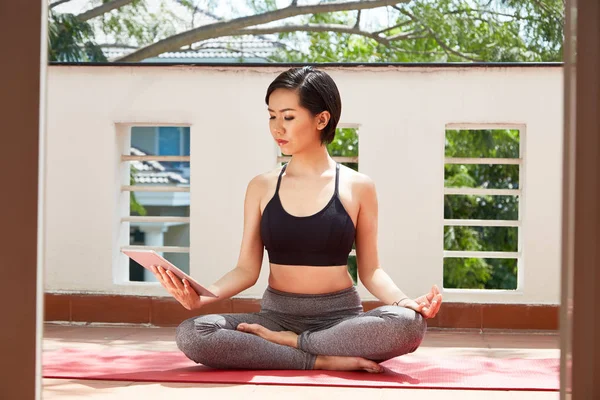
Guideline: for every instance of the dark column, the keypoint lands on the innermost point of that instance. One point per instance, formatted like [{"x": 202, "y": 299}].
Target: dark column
[
  {"x": 20, "y": 28},
  {"x": 581, "y": 234}
]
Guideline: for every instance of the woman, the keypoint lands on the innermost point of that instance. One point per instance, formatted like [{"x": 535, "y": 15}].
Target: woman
[{"x": 311, "y": 315}]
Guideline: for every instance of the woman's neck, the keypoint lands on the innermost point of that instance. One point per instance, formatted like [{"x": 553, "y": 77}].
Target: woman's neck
[{"x": 311, "y": 162}]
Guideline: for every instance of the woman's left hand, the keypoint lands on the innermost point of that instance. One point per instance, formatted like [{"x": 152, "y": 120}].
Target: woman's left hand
[{"x": 427, "y": 305}]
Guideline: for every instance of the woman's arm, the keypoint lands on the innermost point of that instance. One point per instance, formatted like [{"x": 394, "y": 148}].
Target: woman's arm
[{"x": 244, "y": 275}]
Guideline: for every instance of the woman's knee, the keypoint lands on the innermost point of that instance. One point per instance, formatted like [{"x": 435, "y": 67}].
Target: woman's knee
[
  {"x": 417, "y": 328},
  {"x": 192, "y": 335},
  {"x": 408, "y": 324}
]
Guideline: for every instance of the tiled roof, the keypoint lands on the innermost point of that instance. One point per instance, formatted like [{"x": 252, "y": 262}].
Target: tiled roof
[
  {"x": 154, "y": 172},
  {"x": 212, "y": 49}
]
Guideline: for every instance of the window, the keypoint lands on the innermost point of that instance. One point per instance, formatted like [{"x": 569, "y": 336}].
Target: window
[
  {"x": 482, "y": 198},
  {"x": 159, "y": 201}
]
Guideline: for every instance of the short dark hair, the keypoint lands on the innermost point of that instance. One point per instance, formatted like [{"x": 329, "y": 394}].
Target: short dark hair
[{"x": 317, "y": 92}]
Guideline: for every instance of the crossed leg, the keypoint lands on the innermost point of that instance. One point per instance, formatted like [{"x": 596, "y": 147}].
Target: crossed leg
[
  {"x": 215, "y": 341},
  {"x": 380, "y": 334}
]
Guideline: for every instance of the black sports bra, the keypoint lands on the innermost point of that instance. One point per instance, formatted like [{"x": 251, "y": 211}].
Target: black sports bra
[{"x": 321, "y": 239}]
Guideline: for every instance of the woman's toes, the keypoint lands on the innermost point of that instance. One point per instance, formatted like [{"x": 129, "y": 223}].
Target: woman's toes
[
  {"x": 251, "y": 328},
  {"x": 286, "y": 338},
  {"x": 371, "y": 366}
]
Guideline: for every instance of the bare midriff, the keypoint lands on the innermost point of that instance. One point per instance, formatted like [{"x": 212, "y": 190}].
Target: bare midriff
[{"x": 309, "y": 279}]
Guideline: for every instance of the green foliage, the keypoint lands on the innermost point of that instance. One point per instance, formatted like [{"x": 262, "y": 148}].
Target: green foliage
[
  {"x": 134, "y": 206},
  {"x": 471, "y": 273},
  {"x": 425, "y": 31},
  {"x": 71, "y": 40},
  {"x": 134, "y": 24},
  {"x": 443, "y": 31},
  {"x": 345, "y": 144}
]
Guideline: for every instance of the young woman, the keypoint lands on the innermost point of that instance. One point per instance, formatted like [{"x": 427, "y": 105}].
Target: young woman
[{"x": 307, "y": 214}]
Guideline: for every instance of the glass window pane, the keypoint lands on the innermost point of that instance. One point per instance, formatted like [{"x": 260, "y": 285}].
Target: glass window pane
[
  {"x": 163, "y": 233},
  {"x": 143, "y": 138},
  {"x": 159, "y": 173},
  {"x": 479, "y": 238},
  {"x": 353, "y": 268},
  {"x": 186, "y": 141},
  {"x": 481, "y": 207},
  {"x": 345, "y": 144},
  {"x": 481, "y": 176},
  {"x": 164, "y": 211},
  {"x": 480, "y": 273},
  {"x": 484, "y": 143},
  {"x": 169, "y": 141}
]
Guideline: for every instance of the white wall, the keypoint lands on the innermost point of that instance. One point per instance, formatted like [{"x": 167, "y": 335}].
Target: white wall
[{"x": 402, "y": 113}]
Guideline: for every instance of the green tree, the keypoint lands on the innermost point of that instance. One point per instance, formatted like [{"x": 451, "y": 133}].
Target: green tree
[
  {"x": 440, "y": 31},
  {"x": 71, "y": 40},
  {"x": 415, "y": 31}
]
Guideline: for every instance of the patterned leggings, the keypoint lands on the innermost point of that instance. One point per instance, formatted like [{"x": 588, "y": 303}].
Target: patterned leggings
[{"x": 327, "y": 324}]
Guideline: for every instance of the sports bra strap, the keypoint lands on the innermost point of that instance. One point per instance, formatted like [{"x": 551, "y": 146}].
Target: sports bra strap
[
  {"x": 337, "y": 178},
  {"x": 279, "y": 179}
]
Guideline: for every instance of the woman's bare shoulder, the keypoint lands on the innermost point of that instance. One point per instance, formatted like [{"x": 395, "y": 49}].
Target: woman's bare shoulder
[
  {"x": 263, "y": 181},
  {"x": 358, "y": 180}
]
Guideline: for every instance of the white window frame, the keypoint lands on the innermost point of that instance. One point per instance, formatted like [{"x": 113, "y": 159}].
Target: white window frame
[{"x": 520, "y": 192}]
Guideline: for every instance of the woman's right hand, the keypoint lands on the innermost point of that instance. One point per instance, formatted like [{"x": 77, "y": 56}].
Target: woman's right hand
[{"x": 180, "y": 289}]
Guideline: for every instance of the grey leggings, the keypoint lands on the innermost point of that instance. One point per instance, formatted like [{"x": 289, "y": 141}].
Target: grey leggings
[{"x": 327, "y": 324}]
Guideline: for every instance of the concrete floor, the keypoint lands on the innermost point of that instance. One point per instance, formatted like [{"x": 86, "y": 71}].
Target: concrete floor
[{"x": 437, "y": 342}]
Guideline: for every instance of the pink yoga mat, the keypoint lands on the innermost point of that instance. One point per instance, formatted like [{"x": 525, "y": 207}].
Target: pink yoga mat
[{"x": 448, "y": 372}]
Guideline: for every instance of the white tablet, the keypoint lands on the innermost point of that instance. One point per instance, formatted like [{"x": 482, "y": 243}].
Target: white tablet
[{"x": 148, "y": 258}]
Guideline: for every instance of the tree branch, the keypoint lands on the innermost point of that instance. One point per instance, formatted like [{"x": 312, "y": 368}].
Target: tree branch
[
  {"x": 550, "y": 11},
  {"x": 103, "y": 9},
  {"x": 314, "y": 28},
  {"x": 407, "y": 35},
  {"x": 357, "y": 24},
  {"x": 393, "y": 27},
  {"x": 57, "y": 3},
  {"x": 116, "y": 46},
  {"x": 442, "y": 44},
  {"x": 483, "y": 11},
  {"x": 226, "y": 28}
]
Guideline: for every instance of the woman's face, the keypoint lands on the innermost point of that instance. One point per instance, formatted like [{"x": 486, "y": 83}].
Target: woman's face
[{"x": 293, "y": 127}]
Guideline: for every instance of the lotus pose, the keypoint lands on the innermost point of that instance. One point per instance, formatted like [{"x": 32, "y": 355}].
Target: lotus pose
[{"x": 307, "y": 214}]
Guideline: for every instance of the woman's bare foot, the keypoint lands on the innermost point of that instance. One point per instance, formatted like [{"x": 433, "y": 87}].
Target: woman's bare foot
[
  {"x": 333, "y": 363},
  {"x": 285, "y": 338},
  {"x": 338, "y": 363}
]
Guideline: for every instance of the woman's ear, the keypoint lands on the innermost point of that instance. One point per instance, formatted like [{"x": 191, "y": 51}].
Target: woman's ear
[{"x": 323, "y": 120}]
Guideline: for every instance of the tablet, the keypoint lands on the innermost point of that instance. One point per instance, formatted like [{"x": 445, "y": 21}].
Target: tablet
[{"x": 148, "y": 258}]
